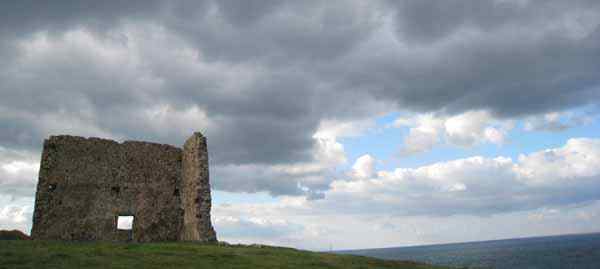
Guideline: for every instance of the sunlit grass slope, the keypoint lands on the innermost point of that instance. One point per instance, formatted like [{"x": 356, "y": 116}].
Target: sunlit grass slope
[{"x": 45, "y": 254}]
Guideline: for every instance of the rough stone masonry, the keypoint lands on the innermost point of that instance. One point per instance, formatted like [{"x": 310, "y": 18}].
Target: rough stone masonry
[{"x": 85, "y": 184}]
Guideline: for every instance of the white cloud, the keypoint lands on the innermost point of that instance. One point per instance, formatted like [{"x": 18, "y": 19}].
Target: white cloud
[
  {"x": 15, "y": 213},
  {"x": 543, "y": 214},
  {"x": 309, "y": 178},
  {"x": 546, "y": 192},
  {"x": 329, "y": 150},
  {"x": 577, "y": 161},
  {"x": 320, "y": 230},
  {"x": 557, "y": 121},
  {"x": 255, "y": 228},
  {"x": 471, "y": 128},
  {"x": 364, "y": 167},
  {"x": 18, "y": 173},
  {"x": 424, "y": 135},
  {"x": 18, "y": 178},
  {"x": 478, "y": 126},
  {"x": 465, "y": 130},
  {"x": 166, "y": 120},
  {"x": 266, "y": 223},
  {"x": 477, "y": 185},
  {"x": 402, "y": 122},
  {"x": 494, "y": 135}
]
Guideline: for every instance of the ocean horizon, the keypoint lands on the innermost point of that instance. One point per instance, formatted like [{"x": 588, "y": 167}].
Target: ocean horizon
[{"x": 556, "y": 251}]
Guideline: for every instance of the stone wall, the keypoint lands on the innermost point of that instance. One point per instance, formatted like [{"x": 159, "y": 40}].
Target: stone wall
[
  {"x": 86, "y": 183},
  {"x": 196, "y": 191}
]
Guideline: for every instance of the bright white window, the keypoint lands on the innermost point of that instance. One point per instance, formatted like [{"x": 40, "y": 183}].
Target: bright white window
[{"x": 125, "y": 222}]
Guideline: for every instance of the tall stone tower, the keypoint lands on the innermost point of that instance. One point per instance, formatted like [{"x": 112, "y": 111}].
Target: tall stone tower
[
  {"x": 87, "y": 184},
  {"x": 196, "y": 191}
]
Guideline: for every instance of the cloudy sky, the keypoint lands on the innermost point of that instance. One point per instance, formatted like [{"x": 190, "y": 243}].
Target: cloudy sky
[{"x": 342, "y": 124}]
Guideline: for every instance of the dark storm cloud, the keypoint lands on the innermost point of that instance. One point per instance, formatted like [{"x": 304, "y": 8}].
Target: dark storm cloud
[
  {"x": 534, "y": 77},
  {"x": 430, "y": 21},
  {"x": 24, "y": 17},
  {"x": 270, "y": 120},
  {"x": 285, "y": 33},
  {"x": 511, "y": 57},
  {"x": 257, "y": 77}
]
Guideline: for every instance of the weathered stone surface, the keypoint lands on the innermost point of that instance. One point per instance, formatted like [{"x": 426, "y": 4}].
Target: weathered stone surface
[
  {"x": 196, "y": 191},
  {"x": 86, "y": 183}
]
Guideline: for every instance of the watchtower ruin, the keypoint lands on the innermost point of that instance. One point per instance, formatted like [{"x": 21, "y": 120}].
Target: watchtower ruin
[{"x": 86, "y": 184}]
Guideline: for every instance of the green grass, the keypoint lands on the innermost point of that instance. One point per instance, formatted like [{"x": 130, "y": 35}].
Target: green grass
[{"x": 54, "y": 254}]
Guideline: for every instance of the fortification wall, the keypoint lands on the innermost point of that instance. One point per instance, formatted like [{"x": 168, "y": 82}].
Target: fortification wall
[
  {"x": 196, "y": 192},
  {"x": 86, "y": 183}
]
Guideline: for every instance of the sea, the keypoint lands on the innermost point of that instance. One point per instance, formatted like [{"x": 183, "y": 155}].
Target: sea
[{"x": 580, "y": 251}]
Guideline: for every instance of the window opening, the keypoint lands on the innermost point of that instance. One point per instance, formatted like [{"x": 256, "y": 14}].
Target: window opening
[{"x": 125, "y": 222}]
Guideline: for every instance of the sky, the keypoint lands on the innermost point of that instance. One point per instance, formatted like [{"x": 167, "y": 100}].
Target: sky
[{"x": 330, "y": 124}]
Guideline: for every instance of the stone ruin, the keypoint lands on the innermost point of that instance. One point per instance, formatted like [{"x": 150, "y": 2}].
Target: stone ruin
[{"x": 86, "y": 184}]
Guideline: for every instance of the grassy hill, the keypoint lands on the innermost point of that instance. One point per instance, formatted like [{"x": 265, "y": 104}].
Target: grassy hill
[
  {"x": 47, "y": 254},
  {"x": 13, "y": 235}
]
